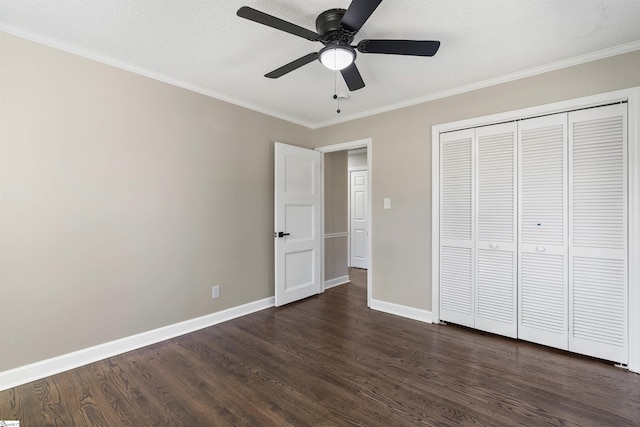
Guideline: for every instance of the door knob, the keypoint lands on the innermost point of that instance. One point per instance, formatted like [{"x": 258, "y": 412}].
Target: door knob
[{"x": 281, "y": 234}]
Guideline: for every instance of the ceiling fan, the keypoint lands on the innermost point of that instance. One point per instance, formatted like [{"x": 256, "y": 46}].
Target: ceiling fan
[{"x": 336, "y": 29}]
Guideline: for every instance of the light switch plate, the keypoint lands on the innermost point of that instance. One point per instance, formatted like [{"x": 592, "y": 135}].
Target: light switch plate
[{"x": 387, "y": 203}]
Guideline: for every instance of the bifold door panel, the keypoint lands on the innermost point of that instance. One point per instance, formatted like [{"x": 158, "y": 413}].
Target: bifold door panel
[{"x": 543, "y": 209}]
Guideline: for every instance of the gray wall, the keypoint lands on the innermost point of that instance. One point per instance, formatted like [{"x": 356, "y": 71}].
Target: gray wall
[
  {"x": 336, "y": 220},
  {"x": 124, "y": 200},
  {"x": 401, "y": 169}
]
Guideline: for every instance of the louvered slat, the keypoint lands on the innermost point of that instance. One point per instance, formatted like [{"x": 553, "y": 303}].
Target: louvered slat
[
  {"x": 455, "y": 280},
  {"x": 456, "y": 189},
  {"x": 543, "y": 302},
  {"x": 598, "y": 183},
  {"x": 496, "y": 286},
  {"x": 542, "y": 184},
  {"x": 496, "y": 203},
  {"x": 598, "y": 300}
]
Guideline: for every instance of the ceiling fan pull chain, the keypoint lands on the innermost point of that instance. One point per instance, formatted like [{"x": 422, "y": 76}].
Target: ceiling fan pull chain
[{"x": 335, "y": 90}]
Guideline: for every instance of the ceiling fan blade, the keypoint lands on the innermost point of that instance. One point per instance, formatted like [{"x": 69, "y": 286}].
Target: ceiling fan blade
[
  {"x": 358, "y": 13},
  {"x": 400, "y": 47},
  {"x": 352, "y": 77},
  {"x": 277, "y": 23},
  {"x": 293, "y": 65}
]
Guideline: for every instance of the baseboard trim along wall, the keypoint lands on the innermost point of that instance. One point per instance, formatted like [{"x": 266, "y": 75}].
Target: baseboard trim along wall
[
  {"x": 27, "y": 373},
  {"x": 336, "y": 282},
  {"x": 402, "y": 310}
]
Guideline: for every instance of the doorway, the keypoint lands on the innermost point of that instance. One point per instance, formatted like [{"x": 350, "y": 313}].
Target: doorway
[{"x": 331, "y": 238}]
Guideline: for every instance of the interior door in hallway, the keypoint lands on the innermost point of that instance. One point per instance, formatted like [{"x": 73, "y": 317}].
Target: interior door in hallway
[
  {"x": 297, "y": 223},
  {"x": 358, "y": 218}
]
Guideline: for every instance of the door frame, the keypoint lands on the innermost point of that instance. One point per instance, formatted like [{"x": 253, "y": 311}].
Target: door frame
[
  {"x": 632, "y": 96},
  {"x": 351, "y": 145},
  {"x": 349, "y": 170}
]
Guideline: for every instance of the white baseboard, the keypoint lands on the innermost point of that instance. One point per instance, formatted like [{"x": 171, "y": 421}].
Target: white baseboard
[
  {"x": 27, "y": 373},
  {"x": 336, "y": 282},
  {"x": 402, "y": 310}
]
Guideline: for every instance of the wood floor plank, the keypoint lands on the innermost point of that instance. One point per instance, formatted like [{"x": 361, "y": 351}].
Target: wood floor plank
[{"x": 330, "y": 361}]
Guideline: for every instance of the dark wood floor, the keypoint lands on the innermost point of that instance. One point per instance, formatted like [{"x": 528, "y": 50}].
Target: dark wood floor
[{"x": 329, "y": 361}]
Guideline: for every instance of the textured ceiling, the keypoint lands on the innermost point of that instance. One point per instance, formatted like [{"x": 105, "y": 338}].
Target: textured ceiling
[{"x": 202, "y": 45}]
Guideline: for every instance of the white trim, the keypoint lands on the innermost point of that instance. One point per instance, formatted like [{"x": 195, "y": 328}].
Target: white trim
[
  {"x": 27, "y": 373},
  {"x": 632, "y": 95},
  {"x": 322, "y": 246},
  {"x": 357, "y": 151},
  {"x": 336, "y": 282},
  {"x": 402, "y": 310},
  {"x": 334, "y": 235},
  {"x": 361, "y": 143},
  {"x": 346, "y": 146},
  {"x": 123, "y": 65},
  {"x": 356, "y": 169},
  {"x": 435, "y": 223},
  {"x": 633, "y": 111},
  {"x": 566, "y": 63}
]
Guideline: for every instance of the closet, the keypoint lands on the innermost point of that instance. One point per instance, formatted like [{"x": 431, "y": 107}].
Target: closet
[{"x": 533, "y": 230}]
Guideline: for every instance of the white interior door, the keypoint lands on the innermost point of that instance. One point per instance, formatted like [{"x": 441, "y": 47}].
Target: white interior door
[
  {"x": 359, "y": 218},
  {"x": 297, "y": 223}
]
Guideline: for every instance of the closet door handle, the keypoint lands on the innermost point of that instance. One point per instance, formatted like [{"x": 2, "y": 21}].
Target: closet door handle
[
  {"x": 541, "y": 249},
  {"x": 493, "y": 245}
]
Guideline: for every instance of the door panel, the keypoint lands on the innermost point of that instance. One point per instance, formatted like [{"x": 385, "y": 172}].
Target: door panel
[
  {"x": 598, "y": 280},
  {"x": 496, "y": 274},
  {"x": 297, "y": 212},
  {"x": 359, "y": 218},
  {"x": 543, "y": 261},
  {"x": 457, "y": 298}
]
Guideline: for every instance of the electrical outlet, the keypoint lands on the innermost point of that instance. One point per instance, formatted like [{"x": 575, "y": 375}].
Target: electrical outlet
[{"x": 215, "y": 292}]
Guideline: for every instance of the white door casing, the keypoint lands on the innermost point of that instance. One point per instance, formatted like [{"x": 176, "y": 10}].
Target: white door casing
[
  {"x": 358, "y": 218},
  {"x": 297, "y": 204}
]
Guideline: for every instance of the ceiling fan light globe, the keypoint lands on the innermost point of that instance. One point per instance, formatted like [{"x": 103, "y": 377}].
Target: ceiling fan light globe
[{"x": 337, "y": 57}]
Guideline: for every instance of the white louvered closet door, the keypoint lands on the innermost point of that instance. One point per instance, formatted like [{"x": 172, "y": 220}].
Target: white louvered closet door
[
  {"x": 456, "y": 227},
  {"x": 495, "y": 245},
  {"x": 542, "y": 231},
  {"x": 598, "y": 289}
]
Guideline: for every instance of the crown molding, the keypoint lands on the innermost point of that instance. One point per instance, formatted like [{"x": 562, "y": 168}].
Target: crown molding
[
  {"x": 565, "y": 63},
  {"x": 117, "y": 63},
  {"x": 89, "y": 54}
]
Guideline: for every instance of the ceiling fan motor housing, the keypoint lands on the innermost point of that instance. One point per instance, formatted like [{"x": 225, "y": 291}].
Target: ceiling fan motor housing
[{"x": 330, "y": 30}]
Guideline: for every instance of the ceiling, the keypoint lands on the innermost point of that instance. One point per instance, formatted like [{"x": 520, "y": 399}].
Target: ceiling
[{"x": 203, "y": 46}]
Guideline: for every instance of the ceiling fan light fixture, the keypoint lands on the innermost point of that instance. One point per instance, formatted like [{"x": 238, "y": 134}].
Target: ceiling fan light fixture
[{"x": 337, "y": 57}]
